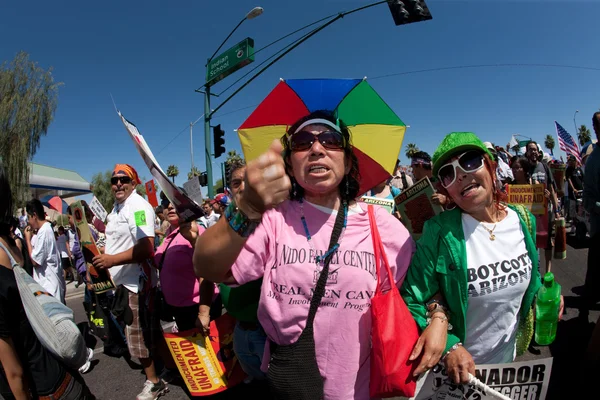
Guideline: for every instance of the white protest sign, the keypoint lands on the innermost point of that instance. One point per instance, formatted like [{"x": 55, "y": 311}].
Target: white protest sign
[
  {"x": 523, "y": 380},
  {"x": 98, "y": 209},
  {"x": 187, "y": 208},
  {"x": 193, "y": 189}
]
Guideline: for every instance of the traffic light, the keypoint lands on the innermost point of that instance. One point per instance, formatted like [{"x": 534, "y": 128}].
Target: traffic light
[
  {"x": 219, "y": 140},
  {"x": 226, "y": 177},
  {"x": 203, "y": 179},
  {"x": 409, "y": 11}
]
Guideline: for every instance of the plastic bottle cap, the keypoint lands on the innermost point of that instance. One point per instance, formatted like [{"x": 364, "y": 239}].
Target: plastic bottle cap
[{"x": 548, "y": 279}]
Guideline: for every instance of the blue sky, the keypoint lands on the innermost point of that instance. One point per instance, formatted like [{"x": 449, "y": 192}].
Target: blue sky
[{"x": 150, "y": 56}]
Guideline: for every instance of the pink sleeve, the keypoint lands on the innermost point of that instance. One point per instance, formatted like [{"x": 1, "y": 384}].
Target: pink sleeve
[
  {"x": 256, "y": 253},
  {"x": 397, "y": 242}
]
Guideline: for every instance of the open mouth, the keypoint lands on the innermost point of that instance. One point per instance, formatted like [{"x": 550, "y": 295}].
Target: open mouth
[
  {"x": 468, "y": 190},
  {"x": 317, "y": 169}
]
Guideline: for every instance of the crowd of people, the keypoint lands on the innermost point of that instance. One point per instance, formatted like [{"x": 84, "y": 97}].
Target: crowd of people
[{"x": 288, "y": 252}]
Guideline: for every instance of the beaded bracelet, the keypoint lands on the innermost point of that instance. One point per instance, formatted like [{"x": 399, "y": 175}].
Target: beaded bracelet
[
  {"x": 239, "y": 221},
  {"x": 443, "y": 318},
  {"x": 451, "y": 349}
]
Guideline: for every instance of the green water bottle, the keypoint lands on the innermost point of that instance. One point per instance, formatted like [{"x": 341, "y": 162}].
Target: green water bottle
[{"x": 546, "y": 310}]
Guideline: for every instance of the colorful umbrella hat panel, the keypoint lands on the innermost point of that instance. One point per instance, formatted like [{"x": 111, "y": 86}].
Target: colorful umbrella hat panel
[{"x": 376, "y": 131}]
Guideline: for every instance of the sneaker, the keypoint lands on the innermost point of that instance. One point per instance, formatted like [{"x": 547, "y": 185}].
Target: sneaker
[
  {"x": 168, "y": 375},
  {"x": 153, "y": 391},
  {"x": 88, "y": 363}
]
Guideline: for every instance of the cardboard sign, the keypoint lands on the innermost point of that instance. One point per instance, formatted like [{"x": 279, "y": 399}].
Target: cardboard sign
[
  {"x": 519, "y": 380},
  {"x": 530, "y": 196},
  {"x": 415, "y": 206},
  {"x": 388, "y": 204},
  {"x": 101, "y": 279},
  {"x": 193, "y": 189},
  {"x": 207, "y": 364},
  {"x": 98, "y": 209},
  {"x": 187, "y": 208},
  {"x": 151, "y": 193}
]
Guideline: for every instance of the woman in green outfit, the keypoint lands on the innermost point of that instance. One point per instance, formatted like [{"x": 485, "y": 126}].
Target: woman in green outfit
[{"x": 474, "y": 276}]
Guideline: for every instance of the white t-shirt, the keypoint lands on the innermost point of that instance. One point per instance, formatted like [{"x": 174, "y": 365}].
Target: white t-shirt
[
  {"x": 498, "y": 274},
  {"x": 210, "y": 220},
  {"x": 49, "y": 273},
  {"x": 61, "y": 242},
  {"x": 127, "y": 223}
]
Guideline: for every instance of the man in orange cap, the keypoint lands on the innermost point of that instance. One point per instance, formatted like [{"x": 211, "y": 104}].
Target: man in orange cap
[{"x": 129, "y": 244}]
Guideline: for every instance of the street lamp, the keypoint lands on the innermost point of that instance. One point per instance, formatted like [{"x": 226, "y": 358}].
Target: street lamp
[
  {"x": 255, "y": 12},
  {"x": 574, "y": 123}
]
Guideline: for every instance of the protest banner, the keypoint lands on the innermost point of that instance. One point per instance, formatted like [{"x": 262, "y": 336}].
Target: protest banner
[
  {"x": 388, "y": 204},
  {"x": 523, "y": 380},
  {"x": 187, "y": 208},
  {"x": 101, "y": 279},
  {"x": 151, "y": 193},
  {"x": 532, "y": 197},
  {"x": 193, "y": 189},
  {"x": 415, "y": 206},
  {"x": 98, "y": 209},
  {"x": 207, "y": 364}
]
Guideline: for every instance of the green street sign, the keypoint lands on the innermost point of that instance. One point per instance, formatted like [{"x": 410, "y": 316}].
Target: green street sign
[{"x": 230, "y": 61}]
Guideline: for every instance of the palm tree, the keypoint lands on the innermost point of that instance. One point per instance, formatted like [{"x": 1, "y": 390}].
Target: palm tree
[
  {"x": 411, "y": 149},
  {"x": 172, "y": 172},
  {"x": 549, "y": 143},
  {"x": 232, "y": 155},
  {"x": 584, "y": 135},
  {"x": 194, "y": 172}
]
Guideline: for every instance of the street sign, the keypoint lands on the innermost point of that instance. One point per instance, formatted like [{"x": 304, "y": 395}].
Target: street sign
[{"x": 230, "y": 61}]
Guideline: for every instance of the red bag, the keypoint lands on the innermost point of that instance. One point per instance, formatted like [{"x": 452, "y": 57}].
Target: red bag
[{"x": 394, "y": 333}]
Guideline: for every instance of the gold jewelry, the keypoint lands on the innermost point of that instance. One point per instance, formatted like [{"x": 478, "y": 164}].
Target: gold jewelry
[{"x": 490, "y": 231}]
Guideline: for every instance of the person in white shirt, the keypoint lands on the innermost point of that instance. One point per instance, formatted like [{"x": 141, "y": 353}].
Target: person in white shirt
[
  {"x": 44, "y": 253},
  {"x": 210, "y": 218},
  {"x": 129, "y": 246}
]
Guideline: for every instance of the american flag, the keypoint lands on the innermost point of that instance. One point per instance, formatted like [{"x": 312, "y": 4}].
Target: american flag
[{"x": 566, "y": 142}]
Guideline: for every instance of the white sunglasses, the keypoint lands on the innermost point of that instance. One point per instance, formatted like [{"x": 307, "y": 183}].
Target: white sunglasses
[{"x": 470, "y": 161}]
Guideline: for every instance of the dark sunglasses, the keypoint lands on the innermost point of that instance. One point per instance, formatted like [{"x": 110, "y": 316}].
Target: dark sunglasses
[
  {"x": 124, "y": 180},
  {"x": 469, "y": 161},
  {"x": 303, "y": 140}
]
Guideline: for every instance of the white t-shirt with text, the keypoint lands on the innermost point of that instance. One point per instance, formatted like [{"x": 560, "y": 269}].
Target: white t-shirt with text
[
  {"x": 498, "y": 274},
  {"x": 127, "y": 223},
  {"x": 49, "y": 273}
]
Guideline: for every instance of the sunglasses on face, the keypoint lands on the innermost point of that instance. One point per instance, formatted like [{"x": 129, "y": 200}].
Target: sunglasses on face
[
  {"x": 124, "y": 180},
  {"x": 470, "y": 161},
  {"x": 303, "y": 140}
]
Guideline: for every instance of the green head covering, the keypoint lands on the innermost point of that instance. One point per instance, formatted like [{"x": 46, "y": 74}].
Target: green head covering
[{"x": 456, "y": 143}]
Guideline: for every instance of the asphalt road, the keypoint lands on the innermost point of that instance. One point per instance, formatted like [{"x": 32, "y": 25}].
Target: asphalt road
[{"x": 572, "y": 377}]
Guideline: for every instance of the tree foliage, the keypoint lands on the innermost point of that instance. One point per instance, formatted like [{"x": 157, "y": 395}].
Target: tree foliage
[
  {"x": 232, "y": 156},
  {"x": 193, "y": 172},
  {"x": 172, "y": 172},
  {"x": 549, "y": 143},
  {"x": 102, "y": 189},
  {"x": 584, "y": 135},
  {"x": 28, "y": 100},
  {"x": 411, "y": 149}
]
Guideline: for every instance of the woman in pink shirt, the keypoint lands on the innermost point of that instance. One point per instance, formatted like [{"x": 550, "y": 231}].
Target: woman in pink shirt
[
  {"x": 180, "y": 287},
  {"x": 295, "y": 218}
]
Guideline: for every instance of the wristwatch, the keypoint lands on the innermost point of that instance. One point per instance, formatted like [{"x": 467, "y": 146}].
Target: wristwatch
[{"x": 239, "y": 221}]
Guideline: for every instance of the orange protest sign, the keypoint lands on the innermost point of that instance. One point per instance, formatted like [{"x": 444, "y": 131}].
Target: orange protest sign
[
  {"x": 207, "y": 364},
  {"x": 151, "y": 193}
]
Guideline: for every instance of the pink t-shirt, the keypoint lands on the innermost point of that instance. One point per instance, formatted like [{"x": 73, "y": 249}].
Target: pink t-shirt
[
  {"x": 177, "y": 278},
  {"x": 279, "y": 252}
]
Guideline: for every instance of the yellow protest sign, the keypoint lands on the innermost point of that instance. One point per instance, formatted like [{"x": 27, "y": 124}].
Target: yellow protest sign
[
  {"x": 207, "y": 364},
  {"x": 530, "y": 196}
]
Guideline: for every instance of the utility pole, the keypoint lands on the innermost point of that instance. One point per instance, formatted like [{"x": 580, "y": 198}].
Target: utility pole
[
  {"x": 209, "y": 176},
  {"x": 191, "y": 146}
]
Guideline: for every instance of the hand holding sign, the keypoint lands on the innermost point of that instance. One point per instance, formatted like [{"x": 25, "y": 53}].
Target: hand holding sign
[{"x": 459, "y": 364}]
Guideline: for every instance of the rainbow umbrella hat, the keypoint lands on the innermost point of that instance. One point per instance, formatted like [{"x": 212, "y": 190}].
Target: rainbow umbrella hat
[{"x": 376, "y": 131}]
